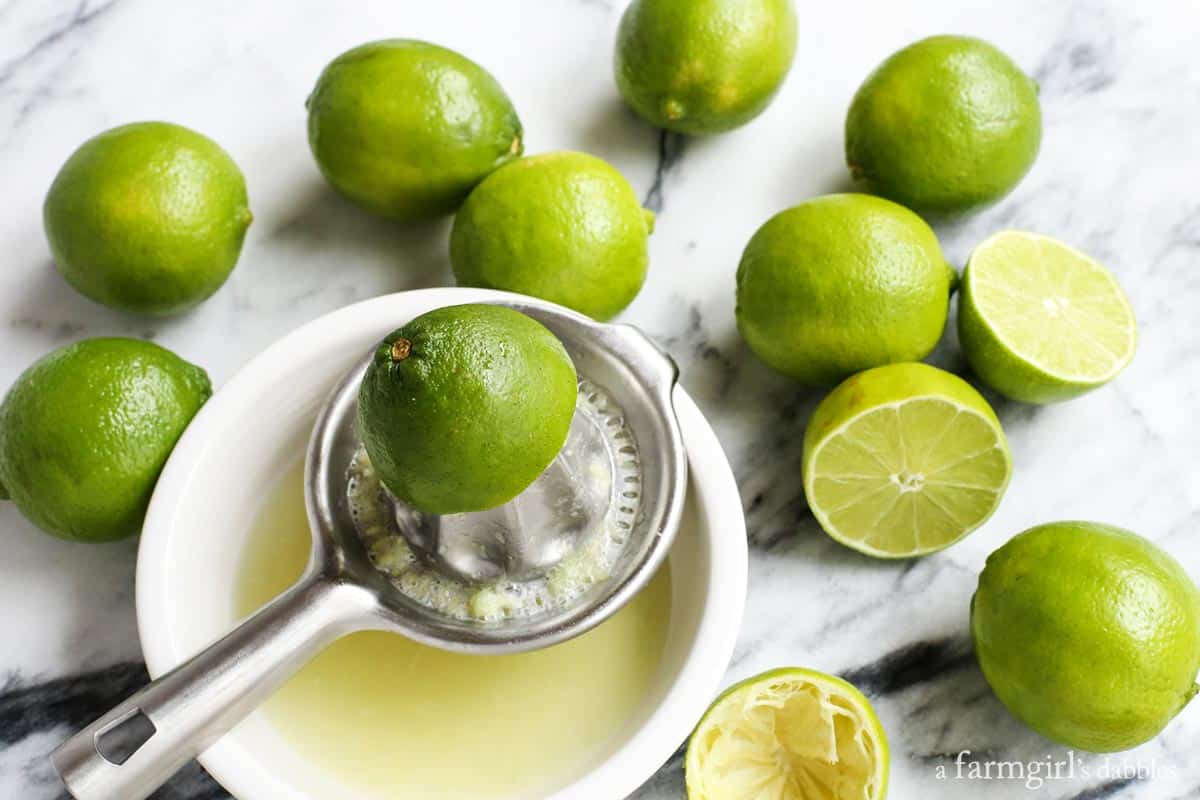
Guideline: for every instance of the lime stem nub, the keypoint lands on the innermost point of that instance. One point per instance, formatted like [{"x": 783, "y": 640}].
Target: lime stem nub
[
  {"x": 673, "y": 110},
  {"x": 401, "y": 348}
]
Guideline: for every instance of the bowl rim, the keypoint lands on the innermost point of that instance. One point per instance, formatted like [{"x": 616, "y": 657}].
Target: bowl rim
[{"x": 645, "y": 749}]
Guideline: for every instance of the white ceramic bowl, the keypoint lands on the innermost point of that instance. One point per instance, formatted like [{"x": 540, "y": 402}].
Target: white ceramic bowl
[{"x": 216, "y": 480}]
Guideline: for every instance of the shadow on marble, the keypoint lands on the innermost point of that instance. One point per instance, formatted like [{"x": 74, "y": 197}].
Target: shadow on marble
[
  {"x": 379, "y": 254},
  {"x": 842, "y": 184},
  {"x": 55, "y": 307},
  {"x": 613, "y": 132}
]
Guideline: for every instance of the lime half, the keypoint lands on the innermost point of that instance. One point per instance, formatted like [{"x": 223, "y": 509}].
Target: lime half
[
  {"x": 789, "y": 734},
  {"x": 904, "y": 460},
  {"x": 1040, "y": 321}
]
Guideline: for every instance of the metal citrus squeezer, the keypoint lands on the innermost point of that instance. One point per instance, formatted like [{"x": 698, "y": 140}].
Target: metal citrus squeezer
[{"x": 625, "y": 420}]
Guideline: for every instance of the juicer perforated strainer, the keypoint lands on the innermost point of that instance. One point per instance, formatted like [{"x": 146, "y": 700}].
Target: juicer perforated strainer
[{"x": 135, "y": 747}]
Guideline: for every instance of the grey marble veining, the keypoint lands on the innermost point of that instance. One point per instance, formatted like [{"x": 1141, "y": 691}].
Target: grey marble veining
[{"x": 1117, "y": 175}]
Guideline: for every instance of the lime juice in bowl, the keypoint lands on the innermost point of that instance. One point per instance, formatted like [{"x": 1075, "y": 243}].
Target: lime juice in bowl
[{"x": 400, "y": 719}]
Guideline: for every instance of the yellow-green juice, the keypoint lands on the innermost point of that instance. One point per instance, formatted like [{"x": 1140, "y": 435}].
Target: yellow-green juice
[{"x": 396, "y": 719}]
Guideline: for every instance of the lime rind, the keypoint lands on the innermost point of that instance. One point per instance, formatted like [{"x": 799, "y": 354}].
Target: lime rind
[
  {"x": 1088, "y": 633},
  {"x": 912, "y": 477},
  {"x": 1052, "y": 307},
  {"x": 789, "y": 734}
]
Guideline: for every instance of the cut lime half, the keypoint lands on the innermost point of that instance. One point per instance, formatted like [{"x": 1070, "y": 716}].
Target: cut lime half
[
  {"x": 789, "y": 734},
  {"x": 1040, "y": 321},
  {"x": 904, "y": 460}
]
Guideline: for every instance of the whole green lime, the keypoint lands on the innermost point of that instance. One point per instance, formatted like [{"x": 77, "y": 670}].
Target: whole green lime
[
  {"x": 465, "y": 406},
  {"x": 1089, "y": 634},
  {"x": 147, "y": 218},
  {"x": 85, "y": 431},
  {"x": 406, "y": 128},
  {"x": 945, "y": 125},
  {"x": 703, "y": 66},
  {"x": 839, "y": 284},
  {"x": 565, "y": 227}
]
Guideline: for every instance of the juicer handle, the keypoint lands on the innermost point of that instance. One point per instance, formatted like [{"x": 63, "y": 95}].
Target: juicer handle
[{"x": 137, "y": 746}]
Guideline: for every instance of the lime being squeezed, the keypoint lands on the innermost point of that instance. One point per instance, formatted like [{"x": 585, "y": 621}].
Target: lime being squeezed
[{"x": 484, "y": 486}]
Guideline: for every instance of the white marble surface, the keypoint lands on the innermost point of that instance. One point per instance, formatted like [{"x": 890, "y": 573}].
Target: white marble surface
[{"x": 1117, "y": 176}]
